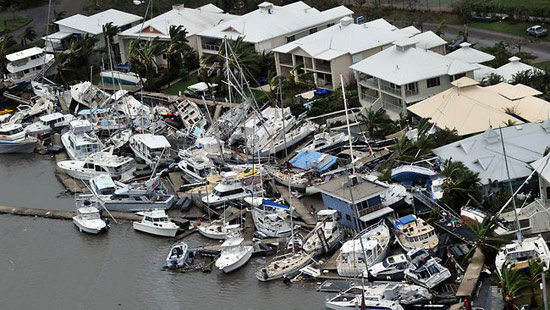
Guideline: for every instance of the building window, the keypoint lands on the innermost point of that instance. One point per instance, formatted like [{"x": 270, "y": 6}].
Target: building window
[
  {"x": 458, "y": 76},
  {"x": 330, "y": 24},
  {"x": 290, "y": 38},
  {"x": 348, "y": 217},
  {"x": 313, "y": 30},
  {"x": 412, "y": 87},
  {"x": 433, "y": 82}
]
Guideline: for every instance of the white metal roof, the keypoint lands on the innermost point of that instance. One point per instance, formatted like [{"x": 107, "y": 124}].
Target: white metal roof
[
  {"x": 56, "y": 36},
  {"x": 51, "y": 117},
  {"x": 94, "y": 24},
  {"x": 510, "y": 69},
  {"x": 428, "y": 40},
  {"x": 193, "y": 20},
  {"x": 470, "y": 55},
  {"x": 271, "y": 21},
  {"x": 482, "y": 72},
  {"x": 152, "y": 141},
  {"x": 24, "y": 53},
  {"x": 483, "y": 154},
  {"x": 344, "y": 38},
  {"x": 406, "y": 64}
]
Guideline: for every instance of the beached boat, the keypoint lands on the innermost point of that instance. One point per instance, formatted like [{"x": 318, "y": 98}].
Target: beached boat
[
  {"x": 80, "y": 141},
  {"x": 120, "y": 138},
  {"x": 424, "y": 269},
  {"x": 195, "y": 165},
  {"x": 328, "y": 141},
  {"x": 271, "y": 222},
  {"x": 326, "y": 235},
  {"x": 129, "y": 106},
  {"x": 371, "y": 245},
  {"x": 412, "y": 232},
  {"x": 299, "y": 181},
  {"x": 218, "y": 230},
  {"x": 194, "y": 122},
  {"x": 36, "y": 108},
  {"x": 518, "y": 255},
  {"x": 25, "y": 65},
  {"x": 88, "y": 220},
  {"x": 230, "y": 190},
  {"x": 119, "y": 77},
  {"x": 234, "y": 254},
  {"x": 14, "y": 139},
  {"x": 156, "y": 222},
  {"x": 46, "y": 124},
  {"x": 290, "y": 139},
  {"x": 286, "y": 266},
  {"x": 177, "y": 257},
  {"x": 118, "y": 167},
  {"x": 392, "y": 268},
  {"x": 150, "y": 148},
  {"x": 89, "y": 95}
]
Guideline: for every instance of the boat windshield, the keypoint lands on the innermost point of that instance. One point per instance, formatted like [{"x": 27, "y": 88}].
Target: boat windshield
[{"x": 91, "y": 216}]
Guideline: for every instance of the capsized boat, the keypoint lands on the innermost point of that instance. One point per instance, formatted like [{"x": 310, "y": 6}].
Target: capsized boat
[
  {"x": 234, "y": 254},
  {"x": 374, "y": 241},
  {"x": 518, "y": 255},
  {"x": 177, "y": 257},
  {"x": 14, "y": 139},
  {"x": 156, "y": 222},
  {"x": 290, "y": 139},
  {"x": 120, "y": 77},
  {"x": 326, "y": 235},
  {"x": 271, "y": 219},
  {"x": 88, "y": 220},
  {"x": 424, "y": 269},
  {"x": 283, "y": 266}
]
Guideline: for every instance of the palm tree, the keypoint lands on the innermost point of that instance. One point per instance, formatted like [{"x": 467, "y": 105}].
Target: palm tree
[
  {"x": 459, "y": 183},
  {"x": 143, "y": 54},
  {"x": 176, "y": 46},
  {"x": 513, "y": 283},
  {"x": 486, "y": 240},
  {"x": 374, "y": 121},
  {"x": 59, "y": 15},
  {"x": 6, "y": 43},
  {"x": 241, "y": 54},
  {"x": 403, "y": 149},
  {"x": 109, "y": 32},
  {"x": 28, "y": 35},
  {"x": 492, "y": 79},
  {"x": 64, "y": 66}
]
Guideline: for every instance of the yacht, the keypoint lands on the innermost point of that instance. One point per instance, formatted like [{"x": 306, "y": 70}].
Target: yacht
[
  {"x": 120, "y": 138},
  {"x": 372, "y": 244},
  {"x": 177, "y": 257},
  {"x": 51, "y": 92},
  {"x": 228, "y": 122},
  {"x": 290, "y": 139},
  {"x": 121, "y": 168},
  {"x": 298, "y": 181},
  {"x": 424, "y": 269},
  {"x": 218, "y": 230},
  {"x": 80, "y": 141},
  {"x": 150, "y": 148},
  {"x": 37, "y": 107},
  {"x": 412, "y": 232},
  {"x": 391, "y": 268},
  {"x": 128, "y": 105},
  {"x": 14, "y": 139},
  {"x": 232, "y": 190},
  {"x": 116, "y": 196},
  {"x": 325, "y": 142},
  {"x": 195, "y": 165},
  {"x": 25, "y": 65},
  {"x": 119, "y": 77},
  {"x": 326, "y": 235},
  {"x": 192, "y": 118},
  {"x": 88, "y": 220},
  {"x": 46, "y": 124},
  {"x": 286, "y": 266},
  {"x": 104, "y": 119},
  {"x": 518, "y": 255},
  {"x": 271, "y": 222},
  {"x": 89, "y": 95},
  {"x": 380, "y": 295},
  {"x": 156, "y": 222},
  {"x": 234, "y": 254}
]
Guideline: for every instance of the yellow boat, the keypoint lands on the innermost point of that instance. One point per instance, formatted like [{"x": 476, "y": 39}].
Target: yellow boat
[{"x": 6, "y": 111}]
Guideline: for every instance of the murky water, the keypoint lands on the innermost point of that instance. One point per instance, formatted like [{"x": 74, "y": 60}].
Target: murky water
[{"x": 48, "y": 264}]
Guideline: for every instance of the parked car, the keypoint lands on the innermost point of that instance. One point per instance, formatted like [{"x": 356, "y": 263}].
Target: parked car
[{"x": 537, "y": 31}]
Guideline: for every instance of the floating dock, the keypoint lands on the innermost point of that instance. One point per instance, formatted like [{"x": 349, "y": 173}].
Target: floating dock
[{"x": 62, "y": 215}]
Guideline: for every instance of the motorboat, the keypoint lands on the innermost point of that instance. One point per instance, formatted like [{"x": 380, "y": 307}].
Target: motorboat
[
  {"x": 150, "y": 148},
  {"x": 104, "y": 119},
  {"x": 230, "y": 190},
  {"x": 37, "y": 107},
  {"x": 89, "y": 95},
  {"x": 391, "y": 268},
  {"x": 271, "y": 222},
  {"x": 380, "y": 295},
  {"x": 177, "y": 257},
  {"x": 283, "y": 266},
  {"x": 25, "y": 65},
  {"x": 46, "y": 124},
  {"x": 290, "y": 139},
  {"x": 120, "y": 138},
  {"x": 424, "y": 269},
  {"x": 80, "y": 141},
  {"x": 395, "y": 195},
  {"x": 370, "y": 244},
  {"x": 517, "y": 255},
  {"x": 121, "y": 168},
  {"x": 14, "y": 139},
  {"x": 128, "y": 105},
  {"x": 234, "y": 254},
  {"x": 412, "y": 174},
  {"x": 218, "y": 230},
  {"x": 195, "y": 165},
  {"x": 88, "y": 220},
  {"x": 327, "y": 141},
  {"x": 436, "y": 187},
  {"x": 156, "y": 222},
  {"x": 120, "y": 77},
  {"x": 326, "y": 235},
  {"x": 51, "y": 92},
  {"x": 299, "y": 181},
  {"x": 116, "y": 196},
  {"x": 192, "y": 118},
  {"x": 412, "y": 232},
  {"x": 228, "y": 122}
]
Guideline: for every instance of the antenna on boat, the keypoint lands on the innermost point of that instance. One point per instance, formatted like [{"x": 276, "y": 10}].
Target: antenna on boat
[{"x": 518, "y": 231}]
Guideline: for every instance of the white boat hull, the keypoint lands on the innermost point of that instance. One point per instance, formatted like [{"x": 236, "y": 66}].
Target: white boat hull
[
  {"x": 239, "y": 263},
  {"x": 157, "y": 231},
  {"x": 86, "y": 228}
]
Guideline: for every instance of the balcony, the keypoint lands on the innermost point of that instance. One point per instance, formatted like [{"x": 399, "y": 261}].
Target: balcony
[
  {"x": 285, "y": 60},
  {"x": 393, "y": 107},
  {"x": 368, "y": 97},
  {"x": 370, "y": 82},
  {"x": 396, "y": 90},
  {"x": 322, "y": 67},
  {"x": 211, "y": 47}
]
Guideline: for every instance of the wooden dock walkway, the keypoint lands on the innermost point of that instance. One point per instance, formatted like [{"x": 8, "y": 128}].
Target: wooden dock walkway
[
  {"x": 302, "y": 210},
  {"x": 62, "y": 215}
]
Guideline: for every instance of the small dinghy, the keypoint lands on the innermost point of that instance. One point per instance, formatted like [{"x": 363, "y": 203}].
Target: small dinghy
[
  {"x": 234, "y": 254},
  {"x": 87, "y": 220},
  {"x": 156, "y": 222},
  {"x": 178, "y": 255}
]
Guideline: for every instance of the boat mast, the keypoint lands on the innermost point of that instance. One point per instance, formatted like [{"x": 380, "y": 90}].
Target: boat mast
[
  {"x": 347, "y": 122},
  {"x": 518, "y": 231}
]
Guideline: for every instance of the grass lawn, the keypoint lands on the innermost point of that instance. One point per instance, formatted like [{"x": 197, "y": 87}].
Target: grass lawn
[
  {"x": 525, "y": 3},
  {"x": 8, "y": 23},
  {"x": 542, "y": 65},
  {"x": 517, "y": 29},
  {"x": 181, "y": 85}
]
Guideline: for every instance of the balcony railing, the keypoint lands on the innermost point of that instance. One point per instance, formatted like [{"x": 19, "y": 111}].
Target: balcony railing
[
  {"x": 210, "y": 47},
  {"x": 372, "y": 82},
  {"x": 393, "y": 90},
  {"x": 371, "y": 209},
  {"x": 367, "y": 97},
  {"x": 393, "y": 107},
  {"x": 410, "y": 92},
  {"x": 324, "y": 68},
  {"x": 285, "y": 62}
]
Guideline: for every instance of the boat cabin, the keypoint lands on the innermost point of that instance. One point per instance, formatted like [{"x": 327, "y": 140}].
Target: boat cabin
[
  {"x": 415, "y": 230},
  {"x": 149, "y": 147},
  {"x": 103, "y": 185},
  {"x": 89, "y": 213},
  {"x": 9, "y": 130}
]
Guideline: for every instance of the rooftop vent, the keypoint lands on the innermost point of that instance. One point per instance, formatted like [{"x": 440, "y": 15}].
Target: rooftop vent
[
  {"x": 491, "y": 136},
  {"x": 346, "y": 21},
  {"x": 266, "y": 7}
]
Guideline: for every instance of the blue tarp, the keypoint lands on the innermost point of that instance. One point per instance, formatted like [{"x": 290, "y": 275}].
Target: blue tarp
[
  {"x": 317, "y": 161},
  {"x": 405, "y": 220},
  {"x": 124, "y": 67},
  {"x": 93, "y": 111},
  {"x": 274, "y": 204},
  {"x": 322, "y": 92}
]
